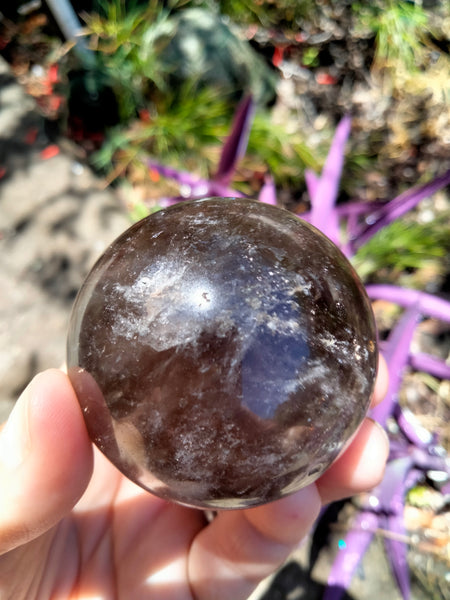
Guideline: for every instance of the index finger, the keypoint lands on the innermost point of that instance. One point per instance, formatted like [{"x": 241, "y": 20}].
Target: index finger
[{"x": 381, "y": 383}]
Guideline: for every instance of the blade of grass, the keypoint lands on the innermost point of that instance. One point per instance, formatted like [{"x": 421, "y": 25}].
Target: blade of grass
[
  {"x": 397, "y": 551},
  {"x": 354, "y": 547},
  {"x": 394, "y": 523},
  {"x": 312, "y": 182},
  {"x": 399, "y": 206},
  {"x": 268, "y": 192},
  {"x": 323, "y": 215},
  {"x": 427, "y": 304},
  {"x": 437, "y": 367},
  {"x": 396, "y": 353},
  {"x": 236, "y": 143},
  {"x": 411, "y": 428}
]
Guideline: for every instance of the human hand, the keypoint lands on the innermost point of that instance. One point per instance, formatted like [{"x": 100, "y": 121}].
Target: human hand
[{"x": 73, "y": 527}]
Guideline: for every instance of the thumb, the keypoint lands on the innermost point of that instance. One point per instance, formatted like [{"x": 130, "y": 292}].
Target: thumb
[{"x": 45, "y": 459}]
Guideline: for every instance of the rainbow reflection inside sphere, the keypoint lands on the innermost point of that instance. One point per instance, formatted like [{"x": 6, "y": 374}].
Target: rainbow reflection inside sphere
[{"x": 223, "y": 351}]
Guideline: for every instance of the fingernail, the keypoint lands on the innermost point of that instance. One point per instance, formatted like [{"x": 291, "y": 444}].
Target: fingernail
[
  {"x": 383, "y": 434},
  {"x": 15, "y": 441}
]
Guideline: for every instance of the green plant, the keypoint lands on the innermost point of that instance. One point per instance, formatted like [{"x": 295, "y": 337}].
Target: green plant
[
  {"x": 405, "y": 246},
  {"x": 175, "y": 120},
  {"x": 400, "y": 28},
  {"x": 268, "y": 12},
  {"x": 176, "y": 132},
  {"x": 127, "y": 44},
  {"x": 285, "y": 154}
]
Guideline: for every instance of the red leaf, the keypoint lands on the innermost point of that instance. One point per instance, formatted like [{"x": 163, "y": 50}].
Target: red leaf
[
  {"x": 154, "y": 175},
  {"x": 144, "y": 115},
  {"x": 50, "y": 152},
  {"x": 325, "y": 79},
  {"x": 53, "y": 75},
  {"x": 277, "y": 57},
  {"x": 54, "y": 103},
  {"x": 31, "y": 135}
]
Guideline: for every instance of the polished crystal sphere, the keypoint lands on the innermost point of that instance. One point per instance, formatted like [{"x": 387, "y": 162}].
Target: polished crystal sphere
[{"x": 223, "y": 351}]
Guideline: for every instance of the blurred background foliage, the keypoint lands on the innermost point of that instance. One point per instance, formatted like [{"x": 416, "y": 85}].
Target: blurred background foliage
[{"x": 162, "y": 81}]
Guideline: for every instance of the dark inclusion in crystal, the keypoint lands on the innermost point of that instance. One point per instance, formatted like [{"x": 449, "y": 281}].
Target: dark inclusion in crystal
[{"x": 223, "y": 351}]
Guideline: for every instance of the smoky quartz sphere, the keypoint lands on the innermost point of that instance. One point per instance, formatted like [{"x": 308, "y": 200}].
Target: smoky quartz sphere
[{"x": 223, "y": 351}]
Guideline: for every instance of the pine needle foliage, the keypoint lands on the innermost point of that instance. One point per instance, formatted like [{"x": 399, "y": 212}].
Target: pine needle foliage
[{"x": 405, "y": 246}]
